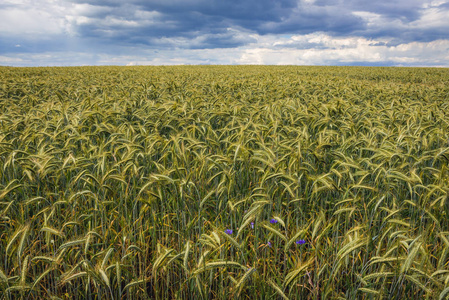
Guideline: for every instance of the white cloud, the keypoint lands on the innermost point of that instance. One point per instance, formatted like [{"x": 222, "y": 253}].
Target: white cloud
[
  {"x": 28, "y": 22},
  {"x": 432, "y": 18},
  {"x": 6, "y": 60},
  {"x": 89, "y": 10},
  {"x": 370, "y": 17},
  {"x": 329, "y": 51},
  {"x": 33, "y": 19},
  {"x": 434, "y": 3}
]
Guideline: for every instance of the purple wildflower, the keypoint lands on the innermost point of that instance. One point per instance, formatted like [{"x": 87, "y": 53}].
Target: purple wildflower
[
  {"x": 228, "y": 231},
  {"x": 252, "y": 225},
  {"x": 273, "y": 221},
  {"x": 300, "y": 242},
  {"x": 269, "y": 244}
]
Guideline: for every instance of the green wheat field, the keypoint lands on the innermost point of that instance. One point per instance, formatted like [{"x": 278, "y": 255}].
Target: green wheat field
[{"x": 224, "y": 182}]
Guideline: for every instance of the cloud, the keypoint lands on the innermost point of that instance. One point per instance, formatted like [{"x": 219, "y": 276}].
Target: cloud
[
  {"x": 327, "y": 50},
  {"x": 29, "y": 22},
  {"x": 255, "y": 31},
  {"x": 310, "y": 49},
  {"x": 429, "y": 25},
  {"x": 188, "y": 18}
]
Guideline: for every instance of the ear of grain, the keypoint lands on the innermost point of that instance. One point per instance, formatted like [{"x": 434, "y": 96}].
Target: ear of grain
[
  {"x": 293, "y": 275},
  {"x": 275, "y": 231},
  {"x": 241, "y": 283},
  {"x": 159, "y": 262},
  {"x": 186, "y": 257},
  {"x": 218, "y": 264},
  {"x": 278, "y": 290}
]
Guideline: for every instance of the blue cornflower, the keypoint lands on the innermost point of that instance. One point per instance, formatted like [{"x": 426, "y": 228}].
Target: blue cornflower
[
  {"x": 300, "y": 242},
  {"x": 273, "y": 221},
  {"x": 228, "y": 231}
]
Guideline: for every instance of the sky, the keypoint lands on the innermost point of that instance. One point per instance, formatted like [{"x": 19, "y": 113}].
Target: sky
[{"x": 231, "y": 32}]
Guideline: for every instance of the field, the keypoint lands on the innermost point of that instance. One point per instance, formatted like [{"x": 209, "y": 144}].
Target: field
[{"x": 222, "y": 182}]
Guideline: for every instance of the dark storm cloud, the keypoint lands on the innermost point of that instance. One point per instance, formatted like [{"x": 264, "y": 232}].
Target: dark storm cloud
[
  {"x": 148, "y": 26},
  {"x": 185, "y": 18},
  {"x": 261, "y": 10},
  {"x": 308, "y": 19},
  {"x": 408, "y": 9},
  {"x": 145, "y": 22},
  {"x": 195, "y": 18}
]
